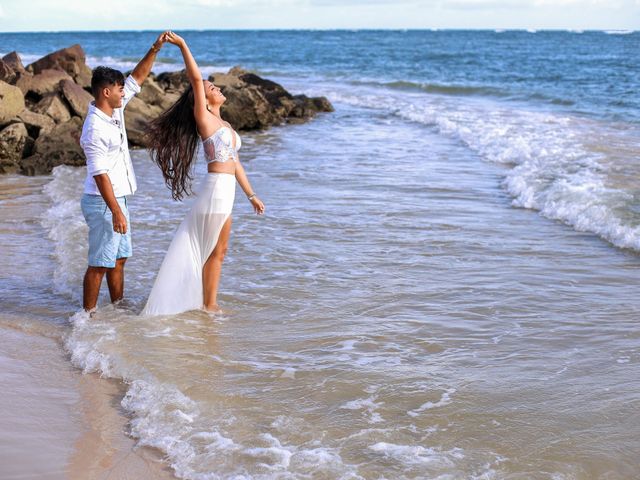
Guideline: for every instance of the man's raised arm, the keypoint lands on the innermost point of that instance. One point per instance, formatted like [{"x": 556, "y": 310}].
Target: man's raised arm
[{"x": 143, "y": 68}]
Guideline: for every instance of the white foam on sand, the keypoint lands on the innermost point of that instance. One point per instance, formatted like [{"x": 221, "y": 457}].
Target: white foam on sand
[{"x": 166, "y": 418}]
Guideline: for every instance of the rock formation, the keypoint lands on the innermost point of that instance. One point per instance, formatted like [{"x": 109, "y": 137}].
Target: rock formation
[{"x": 42, "y": 107}]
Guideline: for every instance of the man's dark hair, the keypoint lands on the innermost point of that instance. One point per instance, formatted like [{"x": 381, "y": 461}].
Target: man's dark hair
[{"x": 105, "y": 77}]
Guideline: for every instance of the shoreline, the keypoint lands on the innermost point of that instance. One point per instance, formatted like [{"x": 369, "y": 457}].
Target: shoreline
[
  {"x": 104, "y": 450},
  {"x": 61, "y": 423}
]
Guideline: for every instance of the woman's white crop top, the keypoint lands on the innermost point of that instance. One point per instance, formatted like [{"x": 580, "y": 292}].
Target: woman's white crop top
[{"x": 219, "y": 146}]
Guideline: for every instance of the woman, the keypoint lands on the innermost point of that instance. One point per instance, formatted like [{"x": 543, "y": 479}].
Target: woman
[{"x": 190, "y": 273}]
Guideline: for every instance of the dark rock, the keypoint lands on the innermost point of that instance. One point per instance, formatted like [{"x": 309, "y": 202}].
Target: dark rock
[
  {"x": 13, "y": 60},
  {"x": 11, "y": 102},
  {"x": 173, "y": 82},
  {"x": 7, "y": 73},
  {"x": 60, "y": 146},
  {"x": 306, "y": 107},
  {"x": 52, "y": 105},
  {"x": 322, "y": 104},
  {"x": 255, "y": 102},
  {"x": 71, "y": 60},
  {"x": 78, "y": 98},
  {"x": 14, "y": 143},
  {"x": 275, "y": 94},
  {"x": 252, "y": 101},
  {"x": 247, "y": 108}
]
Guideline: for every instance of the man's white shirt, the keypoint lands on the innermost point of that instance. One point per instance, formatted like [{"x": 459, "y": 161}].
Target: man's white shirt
[{"x": 104, "y": 141}]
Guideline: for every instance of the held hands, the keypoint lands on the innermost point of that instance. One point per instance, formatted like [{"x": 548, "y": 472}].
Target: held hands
[
  {"x": 174, "y": 38},
  {"x": 257, "y": 204}
]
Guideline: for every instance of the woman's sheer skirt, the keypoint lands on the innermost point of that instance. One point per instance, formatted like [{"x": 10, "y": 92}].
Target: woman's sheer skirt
[{"x": 178, "y": 286}]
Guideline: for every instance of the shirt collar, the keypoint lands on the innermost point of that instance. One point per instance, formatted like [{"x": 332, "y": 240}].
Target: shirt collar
[{"x": 95, "y": 110}]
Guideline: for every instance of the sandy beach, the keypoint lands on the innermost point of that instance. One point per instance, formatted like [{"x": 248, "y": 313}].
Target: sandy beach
[{"x": 58, "y": 423}]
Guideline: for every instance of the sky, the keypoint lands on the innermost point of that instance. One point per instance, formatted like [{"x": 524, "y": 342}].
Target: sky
[{"x": 65, "y": 15}]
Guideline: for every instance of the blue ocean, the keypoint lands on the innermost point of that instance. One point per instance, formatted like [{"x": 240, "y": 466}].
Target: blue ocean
[{"x": 444, "y": 285}]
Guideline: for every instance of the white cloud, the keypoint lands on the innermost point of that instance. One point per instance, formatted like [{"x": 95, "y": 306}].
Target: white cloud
[
  {"x": 585, "y": 3},
  {"x": 481, "y": 4},
  {"x": 522, "y": 4},
  {"x": 239, "y": 3},
  {"x": 38, "y": 15},
  {"x": 216, "y": 3}
]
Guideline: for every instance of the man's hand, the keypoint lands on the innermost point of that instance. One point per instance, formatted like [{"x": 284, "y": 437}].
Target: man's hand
[
  {"x": 143, "y": 68},
  {"x": 162, "y": 38},
  {"x": 106, "y": 190},
  {"x": 119, "y": 222}
]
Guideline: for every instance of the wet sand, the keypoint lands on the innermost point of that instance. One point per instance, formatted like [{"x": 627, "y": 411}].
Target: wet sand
[{"x": 56, "y": 423}]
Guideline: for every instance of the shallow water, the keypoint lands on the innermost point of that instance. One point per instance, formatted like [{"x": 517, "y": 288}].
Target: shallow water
[{"x": 386, "y": 319}]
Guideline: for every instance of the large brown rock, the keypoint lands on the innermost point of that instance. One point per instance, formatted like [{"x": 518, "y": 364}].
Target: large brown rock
[
  {"x": 13, "y": 60},
  {"x": 11, "y": 102},
  {"x": 53, "y": 106},
  {"x": 153, "y": 94},
  {"x": 173, "y": 82},
  {"x": 7, "y": 74},
  {"x": 47, "y": 81},
  {"x": 136, "y": 116},
  {"x": 71, "y": 60},
  {"x": 36, "y": 123},
  {"x": 255, "y": 102},
  {"x": 252, "y": 101},
  {"x": 273, "y": 92},
  {"x": 78, "y": 98},
  {"x": 14, "y": 143},
  {"x": 247, "y": 108},
  {"x": 60, "y": 146},
  {"x": 306, "y": 107},
  {"x": 23, "y": 82},
  {"x": 226, "y": 80},
  {"x": 322, "y": 104}
]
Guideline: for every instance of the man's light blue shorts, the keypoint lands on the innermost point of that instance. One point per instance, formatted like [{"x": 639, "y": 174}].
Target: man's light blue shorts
[{"x": 105, "y": 245}]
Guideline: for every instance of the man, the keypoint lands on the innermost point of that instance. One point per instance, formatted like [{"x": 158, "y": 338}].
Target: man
[{"x": 110, "y": 177}]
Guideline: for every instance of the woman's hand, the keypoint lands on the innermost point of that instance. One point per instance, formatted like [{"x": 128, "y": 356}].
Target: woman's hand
[
  {"x": 258, "y": 206},
  {"x": 174, "y": 38}
]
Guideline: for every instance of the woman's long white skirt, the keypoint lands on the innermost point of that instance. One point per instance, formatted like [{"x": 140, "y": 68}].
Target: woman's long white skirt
[{"x": 178, "y": 286}]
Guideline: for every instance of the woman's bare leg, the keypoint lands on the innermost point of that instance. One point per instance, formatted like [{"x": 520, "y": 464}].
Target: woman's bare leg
[{"x": 213, "y": 267}]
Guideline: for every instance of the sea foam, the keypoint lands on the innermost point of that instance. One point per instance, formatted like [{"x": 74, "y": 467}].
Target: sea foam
[{"x": 551, "y": 162}]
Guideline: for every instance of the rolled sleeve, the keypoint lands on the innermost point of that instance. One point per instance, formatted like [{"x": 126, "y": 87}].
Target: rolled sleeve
[
  {"x": 96, "y": 151},
  {"x": 131, "y": 88}
]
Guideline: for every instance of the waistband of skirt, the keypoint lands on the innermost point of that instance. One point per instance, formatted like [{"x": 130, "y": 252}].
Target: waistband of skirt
[{"x": 220, "y": 175}]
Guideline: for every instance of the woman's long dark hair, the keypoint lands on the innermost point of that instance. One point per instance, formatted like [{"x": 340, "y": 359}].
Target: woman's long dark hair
[{"x": 173, "y": 140}]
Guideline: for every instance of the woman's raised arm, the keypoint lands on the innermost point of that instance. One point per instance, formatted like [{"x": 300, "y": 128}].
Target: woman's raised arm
[{"x": 195, "y": 78}]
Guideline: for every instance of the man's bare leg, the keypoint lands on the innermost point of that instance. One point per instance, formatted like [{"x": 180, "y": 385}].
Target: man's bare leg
[
  {"x": 115, "y": 280},
  {"x": 91, "y": 287}
]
